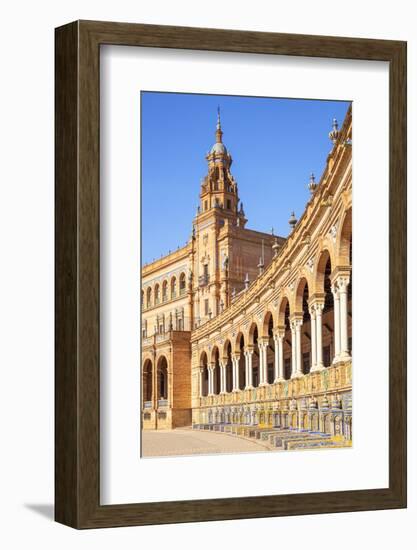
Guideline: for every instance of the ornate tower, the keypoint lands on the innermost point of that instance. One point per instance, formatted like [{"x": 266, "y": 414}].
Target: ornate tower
[
  {"x": 217, "y": 215},
  {"x": 219, "y": 188}
]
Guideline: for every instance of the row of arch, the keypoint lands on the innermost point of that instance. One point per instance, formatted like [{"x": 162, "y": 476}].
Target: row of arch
[
  {"x": 305, "y": 332},
  {"x": 162, "y": 292}
]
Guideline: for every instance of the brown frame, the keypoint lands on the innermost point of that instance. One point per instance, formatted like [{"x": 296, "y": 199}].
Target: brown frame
[{"x": 77, "y": 361}]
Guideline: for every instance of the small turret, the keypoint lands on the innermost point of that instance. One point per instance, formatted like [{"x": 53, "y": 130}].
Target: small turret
[
  {"x": 292, "y": 221},
  {"x": 312, "y": 185},
  {"x": 334, "y": 134}
]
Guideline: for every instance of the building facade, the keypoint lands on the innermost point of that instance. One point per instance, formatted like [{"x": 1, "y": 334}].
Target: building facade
[{"x": 242, "y": 328}]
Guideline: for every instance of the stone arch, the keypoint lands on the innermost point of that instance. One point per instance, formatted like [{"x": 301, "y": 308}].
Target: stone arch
[
  {"x": 215, "y": 352},
  {"x": 267, "y": 323},
  {"x": 252, "y": 331},
  {"x": 344, "y": 239},
  {"x": 225, "y": 349},
  {"x": 320, "y": 272},
  {"x": 299, "y": 294},
  {"x": 239, "y": 342},
  {"x": 284, "y": 302}
]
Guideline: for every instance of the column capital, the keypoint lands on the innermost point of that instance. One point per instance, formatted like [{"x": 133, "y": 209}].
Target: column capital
[
  {"x": 317, "y": 298},
  {"x": 296, "y": 320},
  {"x": 340, "y": 272},
  {"x": 211, "y": 366},
  {"x": 279, "y": 333},
  {"x": 236, "y": 355},
  {"x": 342, "y": 282},
  {"x": 263, "y": 341},
  {"x": 316, "y": 306},
  {"x": 249, "y": 349}
]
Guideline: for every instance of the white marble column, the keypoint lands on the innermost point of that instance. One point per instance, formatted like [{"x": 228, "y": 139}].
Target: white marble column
[
  {"x": 276, "y": 358},
  {"x": 222, "y": 377},
  {"x": 313, "y": 339},
  {"x": 336, "y": 300},
  {"x": 342, "y": 283},
  {"x": 319, "y": 337},
  {"x": 299, "y": 324},
  {"x": 235, "y": 363},
  {"x": 298, "y": 355},
  {"x": 281, "y": 336},
  {"x": 263, "y": 365},
  {"x": 249, "y": 371},
  {"x": 293, "y": 350},
  {"x": 211, "y": 379}
]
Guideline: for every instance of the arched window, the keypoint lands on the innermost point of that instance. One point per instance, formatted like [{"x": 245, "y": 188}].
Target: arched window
[
  {"x": 165, "y": 291},
  {"x": 157, "y": 298},
  {"x": 182, "y": 284},
  {"x": 149, "y": 297},
  {"x": 173, "y": 288}
]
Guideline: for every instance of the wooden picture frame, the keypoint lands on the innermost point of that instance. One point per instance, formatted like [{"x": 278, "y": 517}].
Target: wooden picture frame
[{"x": 77, "y": 406}]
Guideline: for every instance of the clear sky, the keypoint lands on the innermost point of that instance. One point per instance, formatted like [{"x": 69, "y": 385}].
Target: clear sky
[{"x": 275, "y": 145}]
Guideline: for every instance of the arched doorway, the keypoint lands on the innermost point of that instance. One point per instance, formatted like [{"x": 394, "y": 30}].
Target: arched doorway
[
  {"x": 228, "y": 365},
  {"x": 204, "y": 375},
  {"x": 324, "y": 286},
  {"x": 268, "y": 332},
  {"x": 253, "y": 341},
  {"x": 162, "y": 381},
  {"x": 302, "y": 306},
  {"x": 284, "y": 321},
  {"x": 216, "y": 372}
]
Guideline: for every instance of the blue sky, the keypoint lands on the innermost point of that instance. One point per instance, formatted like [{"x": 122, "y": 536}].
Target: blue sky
[{"x": 275, "y": 144}]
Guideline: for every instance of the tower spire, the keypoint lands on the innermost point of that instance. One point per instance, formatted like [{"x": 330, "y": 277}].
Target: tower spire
[{"x": 219, "y": 132}]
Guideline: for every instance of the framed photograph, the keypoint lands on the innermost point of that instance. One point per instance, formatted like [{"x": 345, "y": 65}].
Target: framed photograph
[{"x": 230, "y": 274}]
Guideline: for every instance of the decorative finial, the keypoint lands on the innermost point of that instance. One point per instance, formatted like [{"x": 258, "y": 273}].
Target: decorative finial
[
  {"x": 219, "y": 127},
  {"x": 292, "y": 221},
  {"x": 246, "y": 281},
  {"x": 312, "y": 185},
  {"x": 261, "y": 264},
  {"x": 275, "y": 248},
  {"x": 334, "y": 134}
]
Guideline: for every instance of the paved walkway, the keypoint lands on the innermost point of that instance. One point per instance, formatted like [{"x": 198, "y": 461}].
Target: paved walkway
[{"x": 191, "y": 442}]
